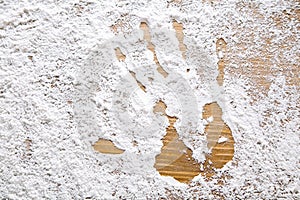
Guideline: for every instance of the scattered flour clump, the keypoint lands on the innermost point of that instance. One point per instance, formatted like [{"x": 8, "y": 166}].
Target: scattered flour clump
[{"x": 222, "y": 140}]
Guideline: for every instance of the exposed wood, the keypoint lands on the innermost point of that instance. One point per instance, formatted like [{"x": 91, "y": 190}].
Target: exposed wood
[
  {"x": 175, "y": 158},
  {"x": 147, "y": 37},
  {"x": 221, "y": 152},
  {"x": 180, "y": 37},
  {"x": 119, "y": 54},
  {"x": 221, "y": 52},
  {"x": 106, "y": 147}
]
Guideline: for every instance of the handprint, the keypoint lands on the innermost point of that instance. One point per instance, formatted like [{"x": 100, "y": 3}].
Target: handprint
[{"x": 175, "y": 159}]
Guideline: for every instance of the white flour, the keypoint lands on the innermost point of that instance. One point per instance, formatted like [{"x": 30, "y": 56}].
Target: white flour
[{"x": 55, "y": 100}]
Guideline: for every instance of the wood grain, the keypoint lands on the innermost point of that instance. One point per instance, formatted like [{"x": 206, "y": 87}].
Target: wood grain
[
  {"x": 221, "y": 153},
  {"x": 175, "y": 159}
]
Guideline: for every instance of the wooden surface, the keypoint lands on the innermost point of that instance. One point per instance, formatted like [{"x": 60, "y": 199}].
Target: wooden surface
[{"x": 107, "y": 146}]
